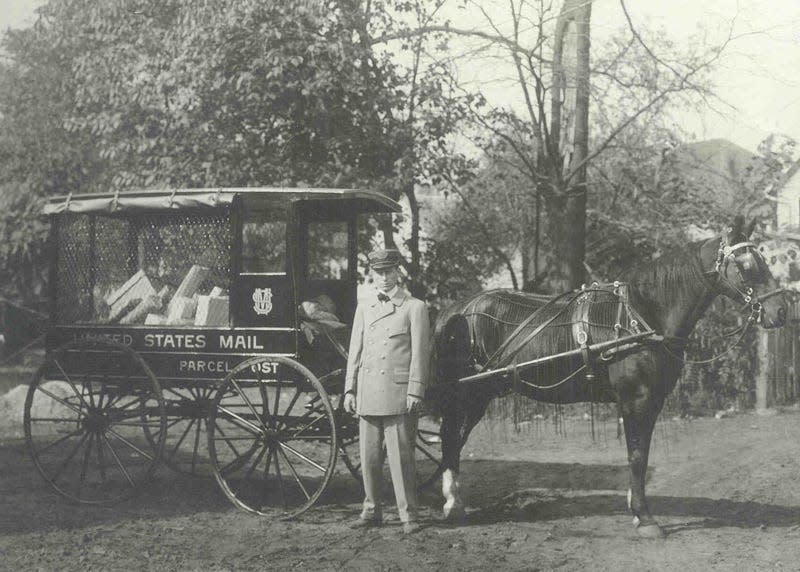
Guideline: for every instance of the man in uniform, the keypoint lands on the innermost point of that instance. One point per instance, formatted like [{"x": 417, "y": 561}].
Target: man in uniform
[{"x": 387, "y": 369}]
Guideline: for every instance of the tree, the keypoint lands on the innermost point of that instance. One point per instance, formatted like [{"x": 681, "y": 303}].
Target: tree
[
  {"x": 230, "y": 93},
  {"x": 546, "y": 52}
]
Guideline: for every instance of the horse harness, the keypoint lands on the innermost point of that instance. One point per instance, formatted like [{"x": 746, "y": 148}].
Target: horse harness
[{"x": 747, "y": 267}]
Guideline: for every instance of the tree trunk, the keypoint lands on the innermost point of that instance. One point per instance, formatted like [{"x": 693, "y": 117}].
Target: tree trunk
[
  {"x": 415, "y": 286},
  {"x": 566, "y": 209}
]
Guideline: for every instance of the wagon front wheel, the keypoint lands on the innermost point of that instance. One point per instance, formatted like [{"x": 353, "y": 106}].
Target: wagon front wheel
[
  {"x": 272, "y": 437},
  {"x": 85, "y": 412}
]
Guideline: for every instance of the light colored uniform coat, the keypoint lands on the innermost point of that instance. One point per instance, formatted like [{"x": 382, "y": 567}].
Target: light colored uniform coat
[
  {"x": 388, "y": 361},
  {"x": 389, "y": 354}
]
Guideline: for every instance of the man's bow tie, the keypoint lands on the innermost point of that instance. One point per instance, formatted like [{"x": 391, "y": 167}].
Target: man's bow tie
[{"x": 383, "y": 297}]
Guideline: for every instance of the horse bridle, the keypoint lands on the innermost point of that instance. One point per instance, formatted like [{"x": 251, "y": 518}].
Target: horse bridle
[
  {"x": 746, "y": 270},
  {"x": 725, "y": 255}
]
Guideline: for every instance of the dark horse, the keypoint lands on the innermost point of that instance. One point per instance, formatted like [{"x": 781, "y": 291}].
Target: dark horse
[{"x": 670, "y": 293}]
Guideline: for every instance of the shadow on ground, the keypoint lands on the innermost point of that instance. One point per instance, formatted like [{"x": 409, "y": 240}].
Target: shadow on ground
[{"x": 496, "y": 491}]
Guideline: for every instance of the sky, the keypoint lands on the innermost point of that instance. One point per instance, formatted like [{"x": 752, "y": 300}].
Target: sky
[{"x": 757, "y": 81}]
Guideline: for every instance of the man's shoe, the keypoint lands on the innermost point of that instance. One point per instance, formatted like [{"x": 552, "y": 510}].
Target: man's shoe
[
  {"x": 363, "y": 523},
  {"x": 410, "y": 527}
]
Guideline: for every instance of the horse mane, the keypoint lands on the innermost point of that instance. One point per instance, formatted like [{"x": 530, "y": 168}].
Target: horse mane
[{"x": 674, "y": 273}]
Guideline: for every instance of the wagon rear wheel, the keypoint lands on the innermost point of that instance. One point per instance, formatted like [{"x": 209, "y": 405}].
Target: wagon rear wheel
[
  {"x": 272, "y": 437},
  {"x": 186, "y": 443},
  {"x": 86, "y": 413}
]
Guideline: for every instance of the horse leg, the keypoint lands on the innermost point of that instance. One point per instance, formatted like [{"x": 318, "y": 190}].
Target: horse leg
[
  {"x": 455, "y": 432},
  {"x": 451, "y": 458},
  {"x": 639, "y": 417}
]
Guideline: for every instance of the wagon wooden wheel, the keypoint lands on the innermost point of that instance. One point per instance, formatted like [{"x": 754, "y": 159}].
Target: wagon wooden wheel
[
  {"x": 272, "y": 437},
  {"x": 86, "y": 431},
  {"x": 186, "y": 444}
]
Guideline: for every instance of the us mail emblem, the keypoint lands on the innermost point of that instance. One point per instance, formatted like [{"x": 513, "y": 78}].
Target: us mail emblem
[{"x": 262, "y": 301}]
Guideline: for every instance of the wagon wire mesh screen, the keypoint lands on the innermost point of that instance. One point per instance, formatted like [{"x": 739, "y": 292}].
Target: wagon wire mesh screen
[{"x": 107, "y": 266}]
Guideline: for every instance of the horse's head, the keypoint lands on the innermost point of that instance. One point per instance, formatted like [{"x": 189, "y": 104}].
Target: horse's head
[{"x": 744, "y": 275}]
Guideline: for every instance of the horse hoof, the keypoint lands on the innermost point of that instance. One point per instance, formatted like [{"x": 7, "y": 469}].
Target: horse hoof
[
  {"x": 454, "y": 513},
  {"x": 650, "y": 531}
]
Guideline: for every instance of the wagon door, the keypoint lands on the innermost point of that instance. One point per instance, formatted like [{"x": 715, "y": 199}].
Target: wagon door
[{"x": 263, "y": 296}]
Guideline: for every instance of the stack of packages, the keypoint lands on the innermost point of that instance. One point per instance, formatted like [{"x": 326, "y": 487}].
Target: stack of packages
[{"x": 137, "y": 302}]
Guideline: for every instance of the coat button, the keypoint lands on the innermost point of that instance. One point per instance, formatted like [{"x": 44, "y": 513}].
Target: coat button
[
  {"x": 383, "y": 357},
  {"x": 382, "y": 371}
]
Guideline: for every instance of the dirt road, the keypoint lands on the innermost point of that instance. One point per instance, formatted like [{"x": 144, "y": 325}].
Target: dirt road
[{"x": 727, "y": 492}]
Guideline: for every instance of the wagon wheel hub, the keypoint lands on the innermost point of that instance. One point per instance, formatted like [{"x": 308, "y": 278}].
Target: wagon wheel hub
[{"x": 96, "y": 421}]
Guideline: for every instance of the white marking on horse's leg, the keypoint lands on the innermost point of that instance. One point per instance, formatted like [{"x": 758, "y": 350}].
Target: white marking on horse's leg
[
  {"x": 636, "y": 521},
  {"x": 453, "y": 505}
]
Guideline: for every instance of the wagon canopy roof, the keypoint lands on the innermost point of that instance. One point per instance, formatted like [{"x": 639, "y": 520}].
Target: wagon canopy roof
[{"x": 254, "y": 199}]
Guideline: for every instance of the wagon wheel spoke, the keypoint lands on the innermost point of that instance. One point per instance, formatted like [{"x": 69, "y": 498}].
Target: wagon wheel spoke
[
  {"x": 270, "y": 420},
  {"x": 226, "y": 439},
  {"x": 196, "y": 443},
  {"x": 302, "y": 456},
  {"x": 59, "y": 440},
  {"x": 280, "y": 479},
  {"x": 183, "y": 436},
  {"x": 86, "y": 391},
  {"x": 306, "y": 427},
  {"x": 100, "y": 462},
  {"x": 67, "y": 404},
  {"x": 253, "y": 467},
  {"x": 71, "y": 384},
  {"x": 131, "y": 445},
  {"x": 127, "y": 406},
  {"x": 288, "y": 410},
  {"x": 66, "y": 461},
  {"x": 236, "y": 463},
  {"x": 269, "y": 459},
  {"x": 180, "y": 396},
  {"x": 294, "y": 474},
  {"x": 240, "y": 421},
  {"x": 86, "y": 457},
  {"x": 277, "y": 400},
  {"x": 54, "y": 419},
  {"x": 118, "y": 461},
  {"x": 304, "y": 416},
  {"x": 249, "y": 404}
]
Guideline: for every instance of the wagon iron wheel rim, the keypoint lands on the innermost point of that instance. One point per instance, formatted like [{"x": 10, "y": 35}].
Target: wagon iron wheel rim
[
  {"x": 84, "y": 430},
  {"x": 272, "y": 440}
]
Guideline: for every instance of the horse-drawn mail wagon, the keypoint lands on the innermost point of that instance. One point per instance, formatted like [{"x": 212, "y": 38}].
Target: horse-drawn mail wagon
[{"x": 205, "y": 328}]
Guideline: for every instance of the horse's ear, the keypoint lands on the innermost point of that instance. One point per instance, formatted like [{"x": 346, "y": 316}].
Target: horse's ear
[
  {"x": 751, "y": 227},
  {"x": 737, "y": 227}
]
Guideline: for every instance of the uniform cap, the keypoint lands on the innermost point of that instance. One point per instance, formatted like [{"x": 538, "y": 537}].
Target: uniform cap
[{"x": 384, "y": 258}]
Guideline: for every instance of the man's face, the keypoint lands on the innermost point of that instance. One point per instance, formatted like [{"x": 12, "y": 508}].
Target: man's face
[{"x": 385, "y": 278}]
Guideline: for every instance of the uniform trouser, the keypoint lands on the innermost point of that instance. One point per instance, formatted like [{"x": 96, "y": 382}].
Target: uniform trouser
[{"x": 399, "y": 433}]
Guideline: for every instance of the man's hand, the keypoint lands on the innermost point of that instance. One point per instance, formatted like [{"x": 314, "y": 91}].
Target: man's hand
[
  {"x": 350, "y": 402},
  {"x": 413, "y": 404}
]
